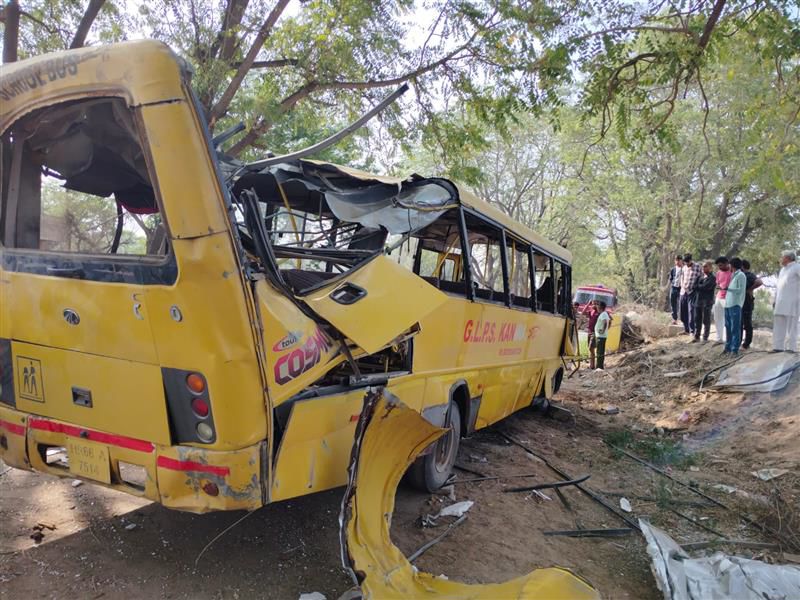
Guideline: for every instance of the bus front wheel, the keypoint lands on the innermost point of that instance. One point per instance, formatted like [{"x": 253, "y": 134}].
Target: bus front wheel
[{"x": 430, "y": 472}]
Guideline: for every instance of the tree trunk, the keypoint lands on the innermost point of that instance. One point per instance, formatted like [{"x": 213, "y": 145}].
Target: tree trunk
[
  {"x": 86, "y": 23},
  {"x": 11, "y": 33},
  {"x": 224, "y": 102}
]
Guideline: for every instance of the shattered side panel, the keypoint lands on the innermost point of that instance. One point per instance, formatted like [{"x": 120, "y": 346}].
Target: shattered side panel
[
  {"x": 388, "y": 438},
  {"x": 298, "y": 351}
]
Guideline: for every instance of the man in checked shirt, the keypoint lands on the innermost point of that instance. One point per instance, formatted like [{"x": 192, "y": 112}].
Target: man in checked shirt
[{"x": 690, "y": 275}]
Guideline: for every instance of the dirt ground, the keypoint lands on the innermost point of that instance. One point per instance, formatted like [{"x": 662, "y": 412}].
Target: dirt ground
[{"x": 107, "y": 545}]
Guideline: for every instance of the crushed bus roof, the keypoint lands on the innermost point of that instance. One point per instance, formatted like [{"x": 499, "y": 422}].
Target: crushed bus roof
[{"x": 464, "y": 196}]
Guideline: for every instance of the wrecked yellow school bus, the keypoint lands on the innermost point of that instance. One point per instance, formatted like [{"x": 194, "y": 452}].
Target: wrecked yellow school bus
[{"x": 200, "y": 332}]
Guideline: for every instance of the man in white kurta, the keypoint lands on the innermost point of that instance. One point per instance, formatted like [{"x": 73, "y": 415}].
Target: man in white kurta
[{"x": 787, "y": 305}]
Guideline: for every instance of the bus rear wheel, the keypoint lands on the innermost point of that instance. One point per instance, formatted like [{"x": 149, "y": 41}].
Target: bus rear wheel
[{"x": 431, "y": 472}]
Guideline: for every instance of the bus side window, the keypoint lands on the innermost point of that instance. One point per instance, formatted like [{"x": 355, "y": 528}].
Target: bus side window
[
  {"x": 545, "y": 289},
  {"x": 563, "y": 275},
  {"x": 486, "y": 260},
  {"x": 519, "y": 274},
  {"x": 437, "y": 255},
  {"x": 403, "y": 254}
]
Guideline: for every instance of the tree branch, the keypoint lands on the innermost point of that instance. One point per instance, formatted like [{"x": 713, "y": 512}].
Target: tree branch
[
  {"x": 710, "y": 24},
  {"x": 273, "y": 64},
  {"x": 221, "y": 107},
  {"x": 11, "y": 33},
  {"x": 79, "y": 39},
  {"x": 227, "y": 41}
]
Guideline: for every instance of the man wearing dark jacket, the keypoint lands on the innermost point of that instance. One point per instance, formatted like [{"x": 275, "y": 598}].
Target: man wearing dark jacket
[
  {"x": 753, "y": 283},
  {"x": 704, "y": 302}
]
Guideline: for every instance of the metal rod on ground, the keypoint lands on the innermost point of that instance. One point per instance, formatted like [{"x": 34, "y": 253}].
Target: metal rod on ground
[
  {"x": 466, "y": 470},
  {"x": 425, "y": 547},
  {"x": 591, "y": 532},
  {"x": 746, "y": 519},
  {"x": 547, "y": 486},
  {"x": 696, "y": 523},
  {"x": 631, "y": 523},
  {"x": 492, "y": 477}
]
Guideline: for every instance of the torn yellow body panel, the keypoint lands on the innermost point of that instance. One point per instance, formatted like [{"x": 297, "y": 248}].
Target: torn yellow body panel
[
  {"x": 388, "y": 438},
  {"x": 380, "y": 288}
]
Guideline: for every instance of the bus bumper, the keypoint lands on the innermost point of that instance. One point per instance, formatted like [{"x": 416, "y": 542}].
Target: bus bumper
[{"x": 179, "y": 477}]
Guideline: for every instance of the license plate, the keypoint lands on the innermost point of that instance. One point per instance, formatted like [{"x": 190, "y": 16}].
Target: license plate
[{"x": 90, "y": 460}]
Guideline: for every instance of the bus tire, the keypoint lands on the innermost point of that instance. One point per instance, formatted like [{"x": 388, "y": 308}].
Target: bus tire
[{"x": 431, "y": 472}]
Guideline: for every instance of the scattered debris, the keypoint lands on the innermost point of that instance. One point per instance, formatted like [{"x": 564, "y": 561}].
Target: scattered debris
[
  {"x": 449, "y": 491},
  {"x": 130, "y": 526},
  {"x": 38, "y": 531},
  {"x": 559, "y": 413},
  {"x": 769, "y": 474},
  {"x": 455, "y": 510},
  {"x": 425, "y": 547},
  {"x": 676, "y": 374},
  {"x": 609, "y": 410},
  {"x": 388, "y": 438},
  {"x": 625, "y": 504},
  {"x": 312, "y": 596},
  {"x": 728, "y": 489},
  {"x": 681, "y": 577},
  {"x": 540, "y": 495},
  {"x": 77, "y": 483},
  {"x": 760, "y": 526}
]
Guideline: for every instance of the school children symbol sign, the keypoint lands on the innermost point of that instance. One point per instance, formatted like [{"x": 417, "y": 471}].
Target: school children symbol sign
[{"x": 29, "y": 373}]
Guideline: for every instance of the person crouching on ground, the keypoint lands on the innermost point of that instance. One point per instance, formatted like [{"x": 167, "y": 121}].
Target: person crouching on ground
[
  {"x": 734, "y": 300},
  {"x": 753, "y": 283},
  {"x": 787, "y": 304},
  {"x": 591, "y": 311},
  {"x": 706, "y": 286},
  {"x": 601, "y": 333},
  {"x": 723, "y": 276},
  {"x": 675, "y": 288}
]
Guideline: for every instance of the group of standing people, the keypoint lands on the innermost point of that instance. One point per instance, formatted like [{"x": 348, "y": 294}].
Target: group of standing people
[{"x": 698, "y": 292}]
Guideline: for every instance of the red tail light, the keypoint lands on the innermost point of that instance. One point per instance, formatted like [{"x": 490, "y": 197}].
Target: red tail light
[{"x": 200, "y": 407}]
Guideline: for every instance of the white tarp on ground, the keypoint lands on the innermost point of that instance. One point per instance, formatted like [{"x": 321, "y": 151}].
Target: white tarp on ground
[
  {"x": 716, "y": 577},
  {"x": 763, "y": 373}
]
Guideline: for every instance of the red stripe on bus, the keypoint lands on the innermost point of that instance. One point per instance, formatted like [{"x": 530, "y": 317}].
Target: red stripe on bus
[
  {"x": 12, "y": 427},
  {"x": 94, "y": 436},
  {"x": 189, "y": 465}
]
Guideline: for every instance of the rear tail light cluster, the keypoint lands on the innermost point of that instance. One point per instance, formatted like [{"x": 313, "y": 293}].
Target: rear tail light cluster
[{"x": 190, "y": 411}]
